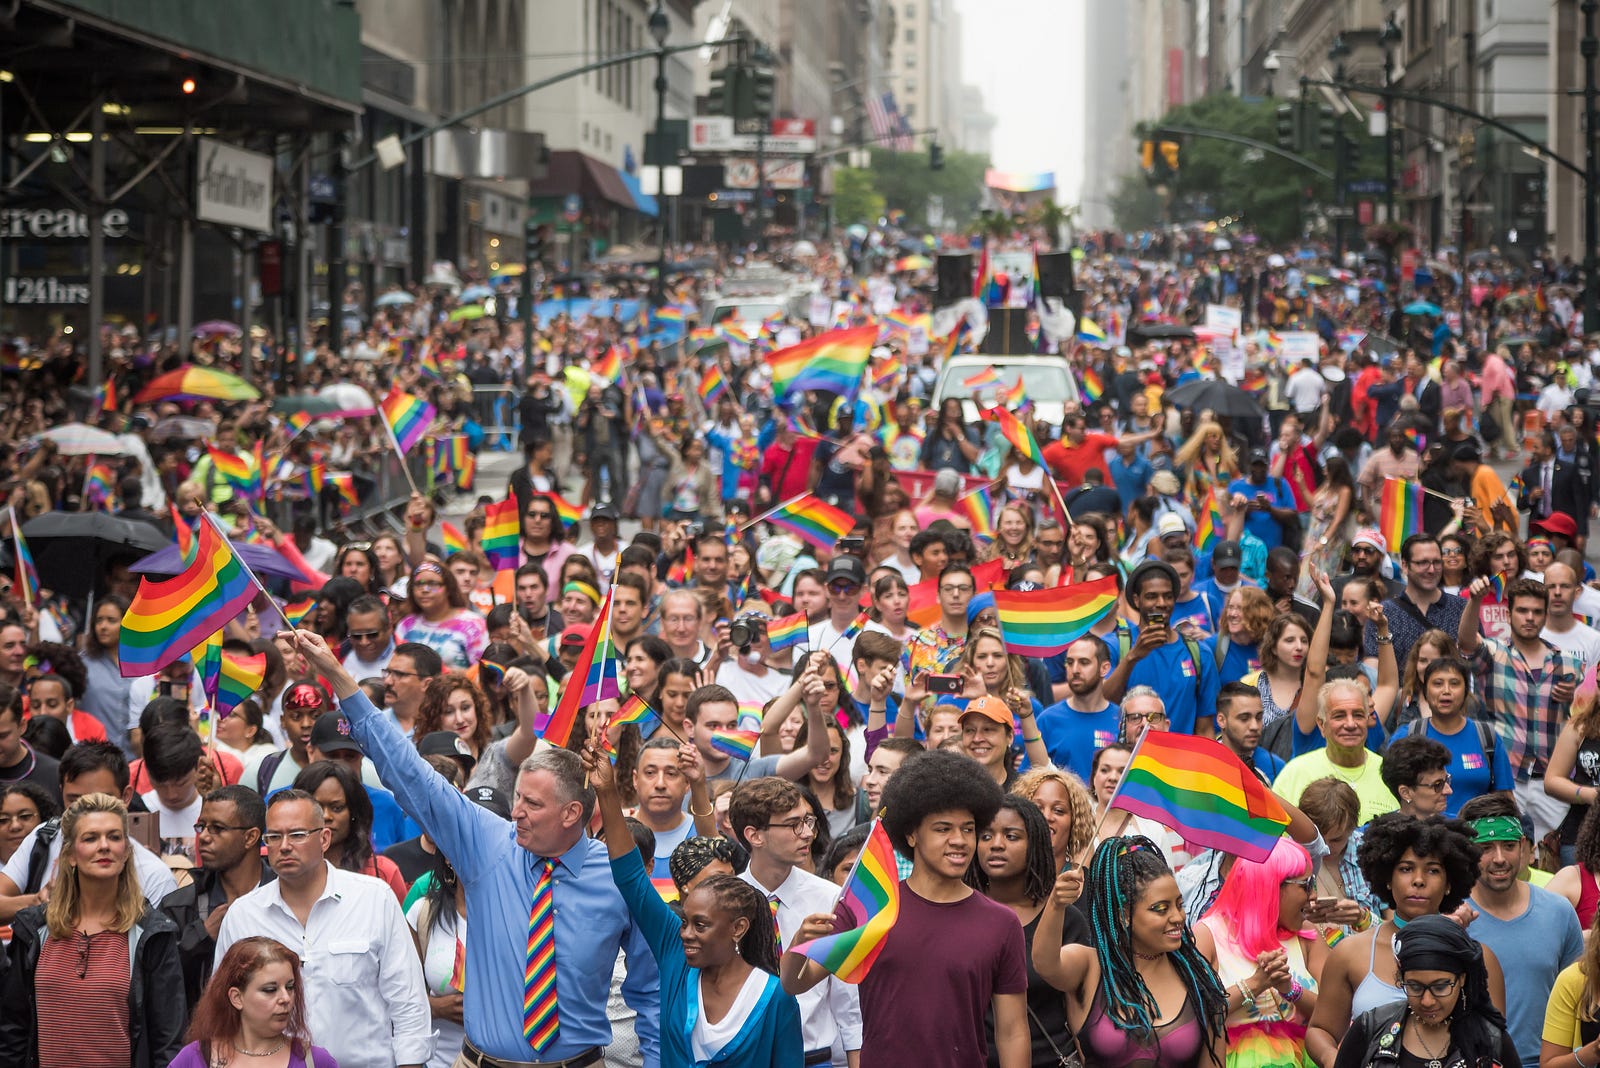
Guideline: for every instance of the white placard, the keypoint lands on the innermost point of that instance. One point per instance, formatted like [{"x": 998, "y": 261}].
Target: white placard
[
  {"x": 786, "y": 336},
  {"x": 821, "y": 311},
  {"x": 1222, "y": 317},
  {"x": 917, "y": 342},
  {"x": 1298, "y": 345},
  {"x": 233, "y": 187}
]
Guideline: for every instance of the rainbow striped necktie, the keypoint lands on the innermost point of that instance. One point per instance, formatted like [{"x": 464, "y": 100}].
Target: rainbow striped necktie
[{"x": 540, "y": 1022}]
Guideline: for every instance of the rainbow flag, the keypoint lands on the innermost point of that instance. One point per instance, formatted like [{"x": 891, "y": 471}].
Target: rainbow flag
[
  {"x": 750, "y": 716},
  {"x": 1093, "y": 387},
  {"x": 978, "y": 507},
  {"x": 1044, "y": 622},
  {"x": 1210, "y": 525},
  {"x": 1017, "y": 434},
  {"x": 408, "y": 417},
  {"x": 207, "y": 660},
  {"x": 872, "y": 894},
  {"x": 105, "y": 398},
  {"x": 608, "y": 364},
  {"x": 1416, "y": 438},
  {"x": 171, "y": 616},
  {"x": 682, "y": 571},
  {"x": 458, "y": 970},
  {"x": 668, "y": 313},
  {"x": 986, "y": 377},
  {"x": 243, "y": 473},
  {"x": 185, "y": 533},
  {"x": 1498, "y": 583},
  {"x": 428, "y": 364},
  {"x": 857, "y": 625},
  {"x": 1202, "y": 791},
  {"x": 296, "y": 611},
  {"x": 240, "y": 676},
  {"x": 466, "y": 473},
  {"x": 736, "y": 743},
  {"x": 297, "y": 424},
  {"x": 812, "y": 519},
  {"x": 593, "y": 678},
  {"x": 1399, "y": 511},
  {"x": 569, "y": 513},
  {"x": 711, "y": 386},
  {"x": 665, "y": 887},
  {"x": 833, "y": 361},
  {"x": 1090, "y": 333},
  {"x": 1016, "y": 396},
  {"x": 502, "y": 531},
  {"x": 731, "y": 331},
  {"x": 785, "y": 632},
  {"x": 634, "y": 711},
  {"x": 99, "y": 487},
  {"x": 454, "y": 540}
]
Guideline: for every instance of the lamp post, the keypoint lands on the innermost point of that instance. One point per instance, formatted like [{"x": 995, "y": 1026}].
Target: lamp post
[
  {"x": 1590, "y": 47},
  {"x": 659, "y": 27},
  {"x": 1388, "y": 38},
  {"x": 1337, "y": 53}
]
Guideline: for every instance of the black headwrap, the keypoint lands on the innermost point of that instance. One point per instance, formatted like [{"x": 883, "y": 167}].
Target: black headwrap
[{"x": 1437, "y": 943}]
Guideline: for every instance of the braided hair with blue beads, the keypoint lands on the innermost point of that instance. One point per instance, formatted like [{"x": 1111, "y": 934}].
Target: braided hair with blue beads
[{"x": 1121, "y": 870}]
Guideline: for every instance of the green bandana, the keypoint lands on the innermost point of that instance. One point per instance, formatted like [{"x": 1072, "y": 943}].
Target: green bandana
[{"x": 1497, "y": 829}]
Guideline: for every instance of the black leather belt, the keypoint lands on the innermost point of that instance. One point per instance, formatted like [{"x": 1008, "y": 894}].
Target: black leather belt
[{"x": 818, "y": 1056}]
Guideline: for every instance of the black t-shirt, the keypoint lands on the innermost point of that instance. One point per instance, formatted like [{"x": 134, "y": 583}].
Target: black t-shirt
[
  {"x": 37, "y": 768},
  {"x": 413, "y": 861}
]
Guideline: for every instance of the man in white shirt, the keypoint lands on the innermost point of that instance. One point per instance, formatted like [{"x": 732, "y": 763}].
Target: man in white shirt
[
  {"x": 681, "y": 619},
  {"x": 172, "y": 756},
  {"x": 1306, "y": 388},
  {"x": 1562, "y": 629},
  {"x": 86, "y": 768},
  {"x": 602, "y": 548},
  {"x": 365, "y": 998},
  {"x": 772, "y": 820},
  {"x": 747, "y": 673},
  {"x": 371, "y": 638}
]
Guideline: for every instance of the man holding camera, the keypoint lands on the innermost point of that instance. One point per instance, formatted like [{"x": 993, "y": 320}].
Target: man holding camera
[{"x": 747, "y": 672}]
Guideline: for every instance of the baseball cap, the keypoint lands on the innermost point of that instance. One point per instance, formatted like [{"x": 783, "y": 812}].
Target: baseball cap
[
  {"x": 574, "y": 637},
  {"x": 848, "y": 568},
  {"x": 1227, "y": 554},
  {"x": 604, "y": 511},
  {"x": 1370, "y": 536},
  {"x": 490, "y": 798},
  {"x": 1258, "y": 456},
  {"x": 1556, "y": 523},
  {"x": 446, "y": 743},
  {"x": 1171, "y": 523},
  {"x": 331, "y": 734},
  {"x": 990, "y": 708}
]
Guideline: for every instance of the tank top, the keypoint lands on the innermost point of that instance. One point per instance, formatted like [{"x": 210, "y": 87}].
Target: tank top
[
  {"x": 1585, "y": 772},
  {"x": 1588, "y": 896},
  {"x": 1373, "y": 992},
  {"x": 1178, "y": 1044},
  {"x": 1260, "y": 1039}
]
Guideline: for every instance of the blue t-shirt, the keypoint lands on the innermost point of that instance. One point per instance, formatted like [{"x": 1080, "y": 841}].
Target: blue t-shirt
[
  {"x": 389, "y": 823},
  {"x": 1073, "y": 737},
  {"x": 1132, "y": 480},
  {"x": 1261, "y": 524},
  {"x": 1198, "y": 609},
  {"x": 1186, "y": 687},
  {"x": 1238, "y": 662},
  {"x": 1267, "y": 762},
  {"x": 1533, "y": 948},
  {"x": 1473, "y": 772},
  {"x": 723, "y": 441}
]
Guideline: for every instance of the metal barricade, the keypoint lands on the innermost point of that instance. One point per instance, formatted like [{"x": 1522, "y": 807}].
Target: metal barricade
[{"x": 495, "y": 409}]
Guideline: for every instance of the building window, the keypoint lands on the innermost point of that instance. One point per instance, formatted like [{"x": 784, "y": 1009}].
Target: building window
[
  {"x": 911, "y": 35},
  {"x": 584, "y": 136},
  {"x": 911, "y": 60},
  {"x": 911, "y": 11}
]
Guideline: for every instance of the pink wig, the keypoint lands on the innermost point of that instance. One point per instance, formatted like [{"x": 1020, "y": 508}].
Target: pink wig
[{"x": 1247, "y": 902}]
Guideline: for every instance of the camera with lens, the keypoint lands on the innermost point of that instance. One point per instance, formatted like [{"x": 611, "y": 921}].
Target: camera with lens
[{"x": 746, "y": 630}]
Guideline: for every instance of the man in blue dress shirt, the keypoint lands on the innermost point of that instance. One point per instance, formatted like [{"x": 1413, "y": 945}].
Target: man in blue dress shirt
[{"x": 499, "y": 865}]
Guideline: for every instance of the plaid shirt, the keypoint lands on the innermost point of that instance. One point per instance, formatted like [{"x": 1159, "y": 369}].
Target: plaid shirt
[{"x": 1516, "y": 695}]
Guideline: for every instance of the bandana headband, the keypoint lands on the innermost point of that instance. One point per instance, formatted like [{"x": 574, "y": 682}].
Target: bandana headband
[{"x": 1497, "y": 829}]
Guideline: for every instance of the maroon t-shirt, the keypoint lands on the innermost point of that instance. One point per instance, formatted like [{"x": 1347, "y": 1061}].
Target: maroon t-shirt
[{"x": 928, "y": 992}]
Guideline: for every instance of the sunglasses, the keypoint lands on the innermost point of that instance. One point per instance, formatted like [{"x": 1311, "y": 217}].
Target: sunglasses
[{"x": 364, "y": 635}]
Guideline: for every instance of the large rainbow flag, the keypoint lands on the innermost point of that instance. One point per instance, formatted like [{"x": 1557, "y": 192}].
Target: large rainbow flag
[
  {"x": 170, "y": 617},
  {"x": 872, "y": 893},
  {"x": 1202, "y": 791},
  {"x": 502, "y": 530},
  {"x": 833, "y": 361},
  {"x": 1044, "y": 622},
  {"x": 593, "y": 678},
  {"x": 813, "y": 519},
  {"x": 1400, "y": 511},
  {"x": 1017, "y": 433},
  {"x": 408, "y": 417}
]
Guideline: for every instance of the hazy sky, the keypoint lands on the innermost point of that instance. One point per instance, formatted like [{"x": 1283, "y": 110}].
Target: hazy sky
[{"x": 1027, "y": 56}]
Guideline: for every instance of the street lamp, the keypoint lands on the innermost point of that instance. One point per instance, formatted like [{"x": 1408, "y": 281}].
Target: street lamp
[
  {"x": 1338, "y": 53},
  {"x": 1590, "y": 47},
  {"x": 660, "y": 25},
  {"x": 1389, "y": 37},
  {"x": 1272, "y": 65}
]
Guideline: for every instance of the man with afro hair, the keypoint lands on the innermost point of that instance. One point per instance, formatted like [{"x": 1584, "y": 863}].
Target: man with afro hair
[{"x": 953, "y": 955}]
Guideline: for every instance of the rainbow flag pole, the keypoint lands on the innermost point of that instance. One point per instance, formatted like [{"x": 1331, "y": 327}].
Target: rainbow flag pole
[
  {"x": 251, "y": 575},
  {"x": 400, "y": 454}
]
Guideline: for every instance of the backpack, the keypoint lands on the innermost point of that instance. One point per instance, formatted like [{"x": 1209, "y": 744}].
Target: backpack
[
  {"x": 1125, "y": 642},
  {"x": 39, "y": 859}
]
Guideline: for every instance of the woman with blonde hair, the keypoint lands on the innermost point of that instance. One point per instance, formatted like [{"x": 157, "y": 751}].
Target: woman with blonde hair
[
  {"x": 1209, "y": 461},
  {"x": 1067, "y": 809},
  {"x": 95, "y": 979},
  {"x": 1013, "y": 534}
]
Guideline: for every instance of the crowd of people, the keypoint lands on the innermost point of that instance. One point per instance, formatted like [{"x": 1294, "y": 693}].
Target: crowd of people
[{"x": 291, "y": 884}]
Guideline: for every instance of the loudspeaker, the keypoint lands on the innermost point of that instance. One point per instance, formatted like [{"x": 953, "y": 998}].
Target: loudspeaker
[
  {"x": 955, "y": 278},
  {"x": 1055, "y": 274},
  {"x": 1008, "y": 332}
]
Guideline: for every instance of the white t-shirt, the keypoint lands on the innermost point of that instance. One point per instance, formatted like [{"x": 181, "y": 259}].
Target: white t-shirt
[
  {"x": 438, "y": 965},
  {"x": 749, "y": 687},
  {"x": 1305, "y": 389},
  {"x": 155, "y": 878},
  {"x": 1582, "y": 641},
  {"x": 142, "y": 690},
  {"x": 177, "y": 824}
]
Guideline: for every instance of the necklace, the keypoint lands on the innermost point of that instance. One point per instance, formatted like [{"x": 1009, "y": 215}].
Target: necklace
[
  {"x": 1435, "y": 1060},
  {"x": 269, "y": 1052},
  {"x": 1148, "y": 956}
]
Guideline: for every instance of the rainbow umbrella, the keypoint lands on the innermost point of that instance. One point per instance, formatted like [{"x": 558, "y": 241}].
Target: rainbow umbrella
[{"x": 197, "y": 383}]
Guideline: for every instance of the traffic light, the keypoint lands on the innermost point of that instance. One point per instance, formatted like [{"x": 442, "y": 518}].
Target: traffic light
[
  {"x": 1286, "y": 127},
  {"x": 1325, "y": 128},
  {"x": 762, "y": 88},
  {"x": 723, "y": 97},
  {"x": 1147, "y": 156},
  {"x": 1352, "y": 148},
  {"x": 533, "y": 242},
  {"x": 935, "y": 156},
  {"x": 1169, "y": 155}
]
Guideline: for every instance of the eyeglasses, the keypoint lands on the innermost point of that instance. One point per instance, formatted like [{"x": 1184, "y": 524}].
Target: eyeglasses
[
  {"x": 215, "y": 829},
  {"x": 1452, "y": 550},
  {"x": 1363, "y": 549},
  {"x": 274, "y": 838},
  {"x": 20, "y": 819},
  {"x": 1425, "y": 565},
  {"x": 799, "y": 825},
  {"x": 1439, "y": 988},
  {"x": 843, "y": 587},
  {"x": 1144, "y": 717},
  {"x": 1308, "y": 884},
  {"x": 1437, "y": 784},
  {"x": 358, "y": 546},
  {"x": 401, "y": 674},
  {"x": 958, "y": 588},
  {"x": 364, "y": 635}
]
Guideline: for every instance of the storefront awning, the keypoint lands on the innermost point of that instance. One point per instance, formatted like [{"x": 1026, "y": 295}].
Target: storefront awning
[
  {"x": 571, "y": 171},
  {"x": 644, "y": 205}
]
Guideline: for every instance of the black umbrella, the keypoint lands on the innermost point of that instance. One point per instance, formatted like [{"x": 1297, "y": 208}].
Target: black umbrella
[
  {"x": 71, "y": 549},
  {"x": 1218, "y": 396},
  {"x": 1160, "y": 332}
]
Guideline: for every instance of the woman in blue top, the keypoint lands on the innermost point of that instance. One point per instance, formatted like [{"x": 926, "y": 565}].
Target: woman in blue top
[{"x": 721, "y": 1002}]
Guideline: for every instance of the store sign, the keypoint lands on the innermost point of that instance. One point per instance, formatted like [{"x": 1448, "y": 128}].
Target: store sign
[
  {"x": 785, "y": 137},
  {"x": 46, "y": 290},
  {"x": 779, "y": 173},
  {"x": 58, "y": 224},
  {"x": 233, "y": 187}
]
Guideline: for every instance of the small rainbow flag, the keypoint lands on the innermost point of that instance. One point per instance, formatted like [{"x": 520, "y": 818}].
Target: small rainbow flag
[
  {"x": 731, "y": 331},
  {"x": 454, "y": 540},
  {"x": 750, "y": 716},
  {"x": 978, "y": 507},
  {"x": 1093, "y": 387},
  {"x": 458, "y": 970},
  {"x": 566, "y": 511},
  {"x": 466, "y": 473},
  {"x": 1201, "y": 790},
  {"x": 502, "y": 531},
  {"x": 668, "y": 313},
  {"x": 1399, "y": 511},
  {"x": 682, "y": 570},
  {"x": 1210, "y": 525},
  {"x": 297, "y": 423},
  {"x": 408, "y": 417},
  {"x": 1498, "y": 583},
  {"x": 240, "y": 675},
  {"x": 787, "y": 631},
  {"x": 711, "y": 385},
  {"x": 608, "y": 364},
  {"x": 1416, "y": 438},
  {"x": 593, "y": 678},
  {"x": 988, "y": 376},
  {"x": 1044, "y": 622},
  {"x": 665, "y": 887},
  {"x": 240, "y": 472},
  {"x": 296, "y": 611},
  {"x": 207, "y": 660},
  {"x": 106, "y": 396},
  {"x": 857, "y": 625},
  {"x": 735, "y": 743},
  {"x": 1017, "y": 434},
  {"x": 1090, "y": 333},
  {"x": 872, "y": 894},
  {"x": 833, "y": 361},
  {"x": 1016, "y": 396},
  {"x": 99, "y": 487},
  {"x": 634, "y": 711},
  {"x": 169, "y": 617},
  {"x": 812, "y": 519}
]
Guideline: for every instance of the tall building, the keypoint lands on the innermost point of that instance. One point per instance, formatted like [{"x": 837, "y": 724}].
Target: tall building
[
  {"x": 1108, "y": 113},
  {"x": 922, "y": 75}
]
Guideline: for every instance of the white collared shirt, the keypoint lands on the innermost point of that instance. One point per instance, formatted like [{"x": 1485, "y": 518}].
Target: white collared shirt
[
  {"x": 365, "y": 998},
  {"x": 830, "y": 1012}
]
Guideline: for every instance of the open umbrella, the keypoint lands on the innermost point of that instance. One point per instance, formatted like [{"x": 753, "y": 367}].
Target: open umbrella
[
  {"x": 912, "y": 263},
  {"x": 394, "y": 298},
  {"x": 1159, "y": 332},
  {"x": 81, "y": 439},
  {"x": 348, "y": 398},
  {"x": 196, "y": 383},
  {"x": 183, "y": 428},
  {"x": 473, "y": 294},
  {"x": 217, "y": 328},
  {"x": 1216, "y": 395},
  {"x": 467, "y": 312},
  {"x": 309, "y": 403},
  {"x": 71, "y": 549},
  {"x": 1422, "y": 307},
  {"x": 263, "y": 560}
]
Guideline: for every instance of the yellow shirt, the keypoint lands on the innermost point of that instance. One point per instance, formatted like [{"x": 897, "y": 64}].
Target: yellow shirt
[
  {"x": 1561, "y": 1024},
  {"x": 1487, "y": 491},
  {"x": 1366, "y": 781}
]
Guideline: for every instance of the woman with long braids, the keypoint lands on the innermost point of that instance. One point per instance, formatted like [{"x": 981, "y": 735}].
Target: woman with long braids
[
  {"x": 1448, "y": 1016},
  {"x": 720, "y": 995},
  {"x": 1143, "y": 994}
]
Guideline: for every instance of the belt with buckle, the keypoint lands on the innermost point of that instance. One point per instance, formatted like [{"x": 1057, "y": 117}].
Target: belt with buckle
[{"x": 479, "y": 1059}]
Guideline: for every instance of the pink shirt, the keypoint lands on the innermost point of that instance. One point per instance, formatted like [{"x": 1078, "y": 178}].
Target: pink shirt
[{"x": 1496, "y": 379}]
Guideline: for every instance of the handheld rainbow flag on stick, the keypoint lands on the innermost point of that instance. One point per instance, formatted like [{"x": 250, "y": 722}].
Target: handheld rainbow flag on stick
[
  {"x": 736, "y": 743},
  {"x": 454, "y": 540},
  {"x": 1044, "y": 622},
  {"x": 1399, "y": 511},
  {"x": 27, "y": 574},
  {"x": 566, "y": 511},
  {"x": 169, "y": 617},
  {"x": 593, "y": 678},
  {"x": 296, "y": 611},
  {"x": 711, "y": 385},
  {"x": 502, "y": 530},
  {"x": 872, "y": 894},
  {"x": 240, "y": 472},
  {"x": 833, "y": 361},
  {"x": 241, "y": 675},
  {"x": 978, "y": 507},
  {"x": 788, "y": 631},
  {"x": 408, "y": 418},
  {"x": 810, "y": 518},
  {"x": 1017, "y": 433},
  {"x": 1093, "y": 387},
  {"x": 987, "y": 376},
  {"x": 1201, "y": 790}
]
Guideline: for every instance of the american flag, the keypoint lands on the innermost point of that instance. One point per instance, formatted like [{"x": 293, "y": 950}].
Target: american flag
[
  {"x": 880, "y": 114},
  {"x": 903, "y": 134}
]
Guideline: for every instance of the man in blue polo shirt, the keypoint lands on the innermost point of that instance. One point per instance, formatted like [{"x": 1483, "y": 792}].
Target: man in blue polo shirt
[
  {"x": 1266, "y": 500},
  {"x": 1084, "y": 722}
]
